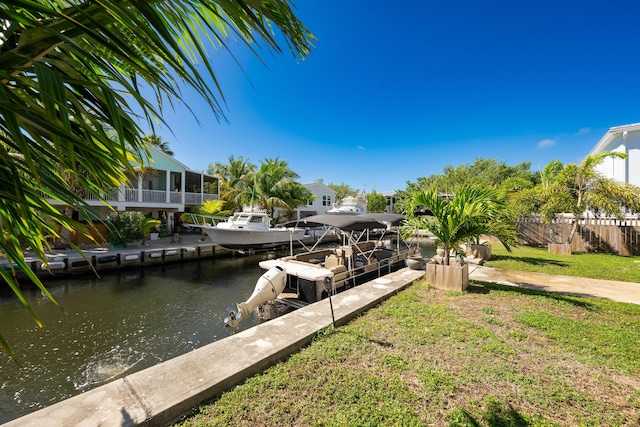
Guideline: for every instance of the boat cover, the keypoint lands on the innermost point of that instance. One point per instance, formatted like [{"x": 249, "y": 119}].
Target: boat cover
[
  {"x": 386, "y": 217},
  {"x": 346, "y": 222}
]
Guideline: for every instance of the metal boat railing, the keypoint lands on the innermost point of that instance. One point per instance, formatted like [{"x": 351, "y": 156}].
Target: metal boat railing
[{"x": 198, "y": 220}]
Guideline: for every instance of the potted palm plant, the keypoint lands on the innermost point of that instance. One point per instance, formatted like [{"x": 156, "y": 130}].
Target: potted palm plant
[
  {"x": 472, "y": 211},
  {"x": 146, "y": 226}
]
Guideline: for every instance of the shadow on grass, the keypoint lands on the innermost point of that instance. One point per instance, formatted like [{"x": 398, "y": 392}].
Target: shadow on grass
[
  {"x": 478, "y": 287},
  {"x": 496, "y": 415},
  {"x": 530, "y": 260},
  {"x": 384, "y": 344}
]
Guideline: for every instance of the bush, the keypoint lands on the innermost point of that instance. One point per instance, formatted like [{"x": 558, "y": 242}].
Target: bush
[
  {"x": 124, "y": 227},
  {"x": 164, "y": 231}
]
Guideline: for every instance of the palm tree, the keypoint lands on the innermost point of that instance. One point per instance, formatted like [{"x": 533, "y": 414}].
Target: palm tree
[
  {"x": 71, "y": 71},
  {"x": 237, "y": 181},
  {"x": 157, "y": 141},
  {"x": 575, "y": 189},
  {"x": 273, "y": 180},
  {"x": 471, "y": 212},
  {"x": 531, "y": 199},
  {"x": 295, "y": 195}
]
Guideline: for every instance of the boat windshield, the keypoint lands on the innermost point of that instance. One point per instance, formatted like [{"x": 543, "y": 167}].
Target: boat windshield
[
  {"x": 240, "y": 219},
  {"x": 243, "y": 219},
  {"x": 258, "y": 219}
]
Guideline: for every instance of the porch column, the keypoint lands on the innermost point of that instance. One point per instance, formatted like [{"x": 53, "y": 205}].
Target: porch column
[
  {"x": 121, "y": 192},
  {"x": 140, "y": 187},
  {"x": 183, "y": 186},
  {"x": 168, "y": 187},
  {"x": 201, "y": 187},
  {"x": 626, "y": 160}
]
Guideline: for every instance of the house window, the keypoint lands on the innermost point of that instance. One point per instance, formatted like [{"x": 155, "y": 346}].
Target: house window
[{"x": 326, "y": 200}]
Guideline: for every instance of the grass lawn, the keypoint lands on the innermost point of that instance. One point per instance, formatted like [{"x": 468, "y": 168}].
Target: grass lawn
[
  {"x": 492, "y": 356},
  {"x": 595, "y": 266}
]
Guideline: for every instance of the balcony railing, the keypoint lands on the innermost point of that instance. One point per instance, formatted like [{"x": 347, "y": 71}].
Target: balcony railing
[
  {"x": 198, "y": 199},
  {"x": 110, "y": 195},
  {"x": 151, "y": 196},
  {"x": 154, "y": 196},
  {"x": 160, "y": 196},
  {"x": 130, "y": 195}
]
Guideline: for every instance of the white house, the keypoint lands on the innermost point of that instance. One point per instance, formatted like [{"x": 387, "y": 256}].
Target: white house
[
  {"x": 391, "y": 200},
  {"x": 323, "y": 199},
  {"x": 623, "y": 139}
]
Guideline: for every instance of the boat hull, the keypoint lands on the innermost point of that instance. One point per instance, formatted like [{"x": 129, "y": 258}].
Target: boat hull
[{"x": 253, "y": 239}]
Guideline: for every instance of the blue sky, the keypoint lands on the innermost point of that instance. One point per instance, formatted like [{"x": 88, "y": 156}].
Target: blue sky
[{"x": 396, "y": 91}]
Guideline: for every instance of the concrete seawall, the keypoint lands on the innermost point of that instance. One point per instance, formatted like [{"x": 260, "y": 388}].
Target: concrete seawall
[
  {"x": 160, "y": 394},
  {"x": 101, "y": 259},
  {"x": 106, "y": 258}
]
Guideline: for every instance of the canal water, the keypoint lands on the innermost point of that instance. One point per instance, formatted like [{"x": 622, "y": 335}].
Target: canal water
[{"x": 117, "y": 324}]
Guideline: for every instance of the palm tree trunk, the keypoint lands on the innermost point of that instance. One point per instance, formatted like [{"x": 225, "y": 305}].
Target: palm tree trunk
[
  {"x": 552, "y": 235},
  {"x": 574, "y": 227}
]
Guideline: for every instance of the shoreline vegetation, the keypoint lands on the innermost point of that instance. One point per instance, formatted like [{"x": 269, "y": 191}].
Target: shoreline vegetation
[{"x": 491, "y": 356}]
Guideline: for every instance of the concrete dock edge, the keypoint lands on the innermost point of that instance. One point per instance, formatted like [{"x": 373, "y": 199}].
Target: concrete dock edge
[{"x": 162, "y": 393}]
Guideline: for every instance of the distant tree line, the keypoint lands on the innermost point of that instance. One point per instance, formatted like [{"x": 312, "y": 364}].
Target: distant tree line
[{"x": 558, "y": 188}]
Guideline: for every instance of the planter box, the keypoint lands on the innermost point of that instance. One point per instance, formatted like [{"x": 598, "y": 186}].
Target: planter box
[
  {"x": 414, "y": 263},
  {"x": 560, "y": 248},
  {"x": 154, "y": 236},
  {"x": 479, "y": 251},
  {"x": 448, "y": 277}
]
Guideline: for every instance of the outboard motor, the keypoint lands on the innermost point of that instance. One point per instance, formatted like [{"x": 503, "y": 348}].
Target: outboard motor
[{"x": 268, "y": 287}]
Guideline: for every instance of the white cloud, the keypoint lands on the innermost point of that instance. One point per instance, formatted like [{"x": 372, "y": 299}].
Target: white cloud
[
  {"x": 546, "y": 143},
  {"x": 360, "y": 147},
  {"x": 584, "y": 131}
]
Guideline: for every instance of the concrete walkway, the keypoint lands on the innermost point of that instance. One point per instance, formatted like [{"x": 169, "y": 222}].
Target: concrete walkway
[
  {"x": 579, "y": 286},
  {"x": 160, "y": 394}
]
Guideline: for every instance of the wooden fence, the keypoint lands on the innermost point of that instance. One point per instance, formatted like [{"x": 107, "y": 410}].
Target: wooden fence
[{"x": 592, "y": 235}]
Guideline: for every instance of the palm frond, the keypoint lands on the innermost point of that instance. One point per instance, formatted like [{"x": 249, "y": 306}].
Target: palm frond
[
  {"x": 75, "y": 72},
  {"x": 471, "y": 212}
]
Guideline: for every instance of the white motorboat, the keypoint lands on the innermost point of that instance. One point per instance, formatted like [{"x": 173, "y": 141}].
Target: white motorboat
[
  {"x": 349, "y": 206},
  {"x": 293, "y": 281},
  {"x": 247, "y": 230}
]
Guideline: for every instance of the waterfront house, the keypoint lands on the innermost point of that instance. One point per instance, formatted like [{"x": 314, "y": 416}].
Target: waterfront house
[
  {"x": 623, "y": 139},
  {"x": 391, "y": 200},
  {"x": 323, "y": 199},
  {"x": 162, "y": 189}
]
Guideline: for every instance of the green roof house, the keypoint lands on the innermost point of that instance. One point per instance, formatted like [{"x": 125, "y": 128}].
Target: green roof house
[{"x": 162, "y": 189}]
